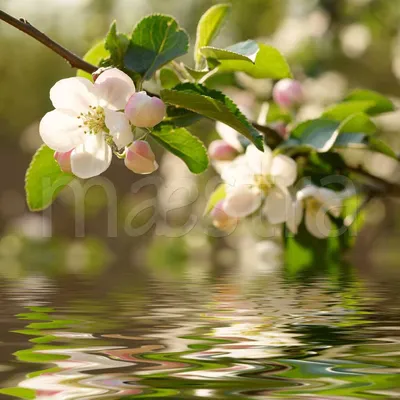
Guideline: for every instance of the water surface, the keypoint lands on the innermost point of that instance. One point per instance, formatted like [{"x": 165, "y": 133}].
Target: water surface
[{"x": 198, "y": 335}]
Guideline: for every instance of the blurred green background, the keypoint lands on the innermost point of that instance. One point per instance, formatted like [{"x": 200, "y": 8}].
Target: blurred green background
[{"x": 332, "y": 45}]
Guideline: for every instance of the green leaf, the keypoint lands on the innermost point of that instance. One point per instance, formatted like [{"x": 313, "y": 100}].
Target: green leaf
[
  {"x": 156, "y": 40},
  {"x": 360, "y": 122},
  {"x": 269, "y": 63},
  {"x": 116, "y": 44},
  {"x": 382, "y": 103},
  {"x": 212, "y": 104},
  {"x": 196, "y": 74},
  {"x": 318, "y": 134},
  {"x": 379, "y": 146},
  {"x": 169, "y": 78},
  {"x": 184, "y": 145},
  {"x": 181, "y": 117},
  {"x": 209, "y": 26},
  {"x": 44, "y": 179},
  {"x": 218, "y": 195},
  {"x": 243, "y": 51},
  {"x": 94, "y": 56},
  {"x": 341, "y": 111}
]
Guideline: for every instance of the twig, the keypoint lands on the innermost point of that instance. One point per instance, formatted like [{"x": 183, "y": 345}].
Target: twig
[{"x": 24, "y": 26}]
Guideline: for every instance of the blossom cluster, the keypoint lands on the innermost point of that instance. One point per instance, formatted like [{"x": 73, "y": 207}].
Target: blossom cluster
[
  {"x": 91, "y": 121},
  {"x": 265, "y": 181}
]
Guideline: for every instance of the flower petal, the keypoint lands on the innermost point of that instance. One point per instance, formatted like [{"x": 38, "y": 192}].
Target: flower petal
[
  {"x": 119, "y": 127},
  {"x": 91, "y": 158},
  {"x": 237, "y": 172},
  {"x": 278, "y": 205},
  {"x": 318, "y": 222},
  {"x": 259, "y": 161},
  {"x": 295, "y": 216},
  {"x": 284, "y": 170},
  {"x": 331, "y": 201},
  {"x": 242, "y": 201},
  {"x": 60, "y": 130},
  {"x": 229, "y": 135},
  {"x": 75, "y": 94},
  {"x": 114, "y": 89}
]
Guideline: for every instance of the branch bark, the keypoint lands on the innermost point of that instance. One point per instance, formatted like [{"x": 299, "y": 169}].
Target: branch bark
[{"x": 24, "y": 26}]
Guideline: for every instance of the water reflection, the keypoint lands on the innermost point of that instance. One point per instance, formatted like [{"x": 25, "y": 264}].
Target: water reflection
[{"x": 200, "y": 336}]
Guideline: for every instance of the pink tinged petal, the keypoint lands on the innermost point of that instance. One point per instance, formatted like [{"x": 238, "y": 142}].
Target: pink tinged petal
[
  {"x": 229, "y": 135},
  {"x": 140, "y": 158},
  {"x": 221, "y": 219},
  {"x": 237, "y": 172},
  {"x": 61, "y": 131},
  {"x": 278, "y": 205},
  {"x": 242, "y": 201},
  {"x": 221, "y": 151},
  {"x": 64, "y": 160},
  {"x": 145, "y": 111},
  {"x": 91, "y": 158},
  {"x": 295, "y": 216},
  {"x": 74, "y": 94},
  {"x": 288, "y": 93},
  {"x": 114, "y": 88},
  {"x": 259, "y": 161},
  {"x": 283, "y": 170},
  {"x": 317, "y": 222},
  {"x": 119, "y": 128}
]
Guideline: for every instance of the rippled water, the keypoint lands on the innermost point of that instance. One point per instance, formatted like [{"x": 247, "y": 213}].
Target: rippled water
[{"x": 200, "y": 335}]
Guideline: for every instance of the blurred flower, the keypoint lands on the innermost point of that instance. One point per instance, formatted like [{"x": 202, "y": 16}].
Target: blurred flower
[
  {"x": 220, "y": 150},
  {"x": 84, "y": 114},
  {"x": 355, "y": 40},
  {"x": 140, "y": 158},
  {"x": 145, "y": 111},
  {"x": 221, "y": 219},
  {"x": 318, "y": 203},
  {"x": 258, "y": 175},
  {"x": 288, "y": 93}
]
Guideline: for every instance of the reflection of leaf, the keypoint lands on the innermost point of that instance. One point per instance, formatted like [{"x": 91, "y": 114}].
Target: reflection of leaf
[
  {"x": 156, "y": 40},
  {"x": 21, "y": 393}
]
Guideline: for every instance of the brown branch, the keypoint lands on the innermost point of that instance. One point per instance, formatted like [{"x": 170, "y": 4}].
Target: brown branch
[{"x": 24, "y": 26}]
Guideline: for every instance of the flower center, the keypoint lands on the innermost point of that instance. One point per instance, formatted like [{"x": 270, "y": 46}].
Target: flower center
[
  {"x": 93, "y": 121},
  {"x": 263, "y": 182},
  {"x": 314, "y": 205}
]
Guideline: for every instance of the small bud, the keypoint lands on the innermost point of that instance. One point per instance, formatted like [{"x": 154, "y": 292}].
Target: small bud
[
  {"x": 140, "y": 158},
  {"x": 288, "y": 93},
  {"x": 221, "y": 219},
  {"x": 144, "y": 111},
  {"x": 64, "y": 160},
  {"x": 220, "y": 150}
]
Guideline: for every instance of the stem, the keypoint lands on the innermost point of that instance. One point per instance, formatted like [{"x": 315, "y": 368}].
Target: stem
[{"x": 24, "y": 26}]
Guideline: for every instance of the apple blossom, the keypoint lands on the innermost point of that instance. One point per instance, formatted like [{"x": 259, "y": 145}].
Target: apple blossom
[
  {"x": 288, "y": 93},
  {"x": 64, "y": 160},
  {"x": 139, "y": 158},
  {"x": 318, "y": 204},
  {"x": 258, "y": 176},
  {"x": 219, "y": 150},
  {"x": 221, "y": 219},
  {"x": 145, "y": 111},
  {"x": 86, "y": 119}
]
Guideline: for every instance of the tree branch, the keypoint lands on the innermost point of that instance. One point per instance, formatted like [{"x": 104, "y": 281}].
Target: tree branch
[{"x": 24, "y": 26}]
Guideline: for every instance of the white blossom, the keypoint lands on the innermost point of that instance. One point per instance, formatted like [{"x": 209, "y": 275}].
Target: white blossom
[
  {"x": 258, "y": 177},
  {"x": 86, "y": 117}
]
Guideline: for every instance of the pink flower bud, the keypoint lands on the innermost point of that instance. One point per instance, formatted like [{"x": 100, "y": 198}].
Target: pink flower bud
[
  {"x": 64, "y": 160},
  {"x": 221, "y": 219},
  {"x": 220, "y": 150},
  {"x": 144, "y": 111},
  {"x": 140, "y": 158},
  {"x": 281, "y": 128},
  {"x": 288, "y": 93}
]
